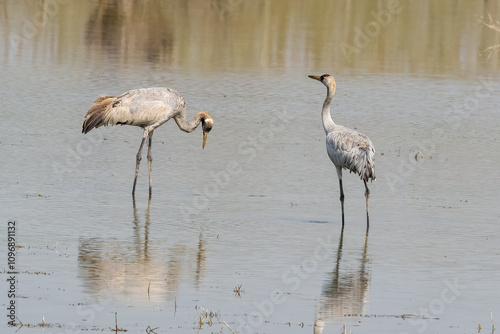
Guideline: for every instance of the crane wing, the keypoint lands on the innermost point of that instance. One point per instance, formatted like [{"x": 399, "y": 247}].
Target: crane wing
[
  {"x": 351, "y": 150},
  {"x": 139, "y": 107}
]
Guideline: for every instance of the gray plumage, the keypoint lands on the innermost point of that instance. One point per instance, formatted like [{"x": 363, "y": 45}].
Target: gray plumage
[
  {"x": 347, "y": 148},
  {"x": 351, "y": 150},
  {"x": 147, "y": 108}
]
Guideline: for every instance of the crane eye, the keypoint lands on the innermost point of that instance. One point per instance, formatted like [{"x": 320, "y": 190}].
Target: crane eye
[{"x": 207, "y": 124}]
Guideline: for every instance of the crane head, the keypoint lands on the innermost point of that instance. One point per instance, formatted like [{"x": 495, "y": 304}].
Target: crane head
[
  {"x": 326, "y": 79},
  {"x": 207, "y": 122}
]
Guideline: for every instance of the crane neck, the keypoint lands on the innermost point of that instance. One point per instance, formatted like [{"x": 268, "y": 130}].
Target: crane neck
[
  {"x": 328, "y": 122},
  {"x": 185, "y": 125}
]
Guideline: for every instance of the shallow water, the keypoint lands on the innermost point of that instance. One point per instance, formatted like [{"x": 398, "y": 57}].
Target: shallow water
[{"x": 258, "y": 207}]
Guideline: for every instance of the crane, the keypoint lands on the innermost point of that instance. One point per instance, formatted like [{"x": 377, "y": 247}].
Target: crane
[
  {"x": 347, "y": 148},
  {"x": 148, "y": 108}
]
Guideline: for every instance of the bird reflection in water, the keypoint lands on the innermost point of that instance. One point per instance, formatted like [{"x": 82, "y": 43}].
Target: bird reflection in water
[
  {"x": 347, "y": 292},
  {"x": 140, "y": 245},
  {"x": 124, "y": 270},
  {"x": 200, "y": 260},
  {"x": 108, "y": 266}
]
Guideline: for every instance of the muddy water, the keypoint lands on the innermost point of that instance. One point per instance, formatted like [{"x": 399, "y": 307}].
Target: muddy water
[{"x": 257, "y": 211}]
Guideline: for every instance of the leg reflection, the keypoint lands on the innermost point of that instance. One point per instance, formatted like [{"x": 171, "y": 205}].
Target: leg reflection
[{"x": 347, "y": 289}]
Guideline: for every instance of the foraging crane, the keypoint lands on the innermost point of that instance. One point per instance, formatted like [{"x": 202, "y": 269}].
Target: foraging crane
[
  {"x": 346, "y": 148},
  {"x": 148, "y": 108}
]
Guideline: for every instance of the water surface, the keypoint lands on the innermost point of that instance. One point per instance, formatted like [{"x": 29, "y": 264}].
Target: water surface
[{"x": 258, "y": 207}]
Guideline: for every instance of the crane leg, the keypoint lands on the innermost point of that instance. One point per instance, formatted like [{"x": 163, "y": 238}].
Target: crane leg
[
  {"x": 342, "y": 200},
  {"x": 150, "y": 162},
  {"x": 367, "y": 195},
  {"x": 339, "y": 174},
  {"x": 138, "y": 162}
]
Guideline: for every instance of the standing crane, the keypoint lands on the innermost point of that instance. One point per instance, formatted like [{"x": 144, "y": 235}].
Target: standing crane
[
  {"x": 347, "y": 148},
  {"x": 148, "y": 108}
]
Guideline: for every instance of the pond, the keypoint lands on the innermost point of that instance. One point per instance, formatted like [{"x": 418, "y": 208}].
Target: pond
[{"x": 246, "y": 235}]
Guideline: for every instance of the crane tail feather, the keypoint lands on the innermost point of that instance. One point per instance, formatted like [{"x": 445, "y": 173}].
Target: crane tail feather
[
  {"x": 97, "y": 114},
  {"x": 362, "y": 162},
  {"x": 369, "y": 167}
]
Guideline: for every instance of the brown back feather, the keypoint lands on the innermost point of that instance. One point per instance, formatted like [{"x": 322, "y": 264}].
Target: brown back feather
[
  {"x": 102, "y": 98},
  {"x": 95, "y": 115}
]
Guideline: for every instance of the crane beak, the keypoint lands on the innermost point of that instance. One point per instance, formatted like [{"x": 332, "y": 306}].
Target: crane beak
[
  {"x": 205, "y": 134},
  {"x": 317, "y": 77}
]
